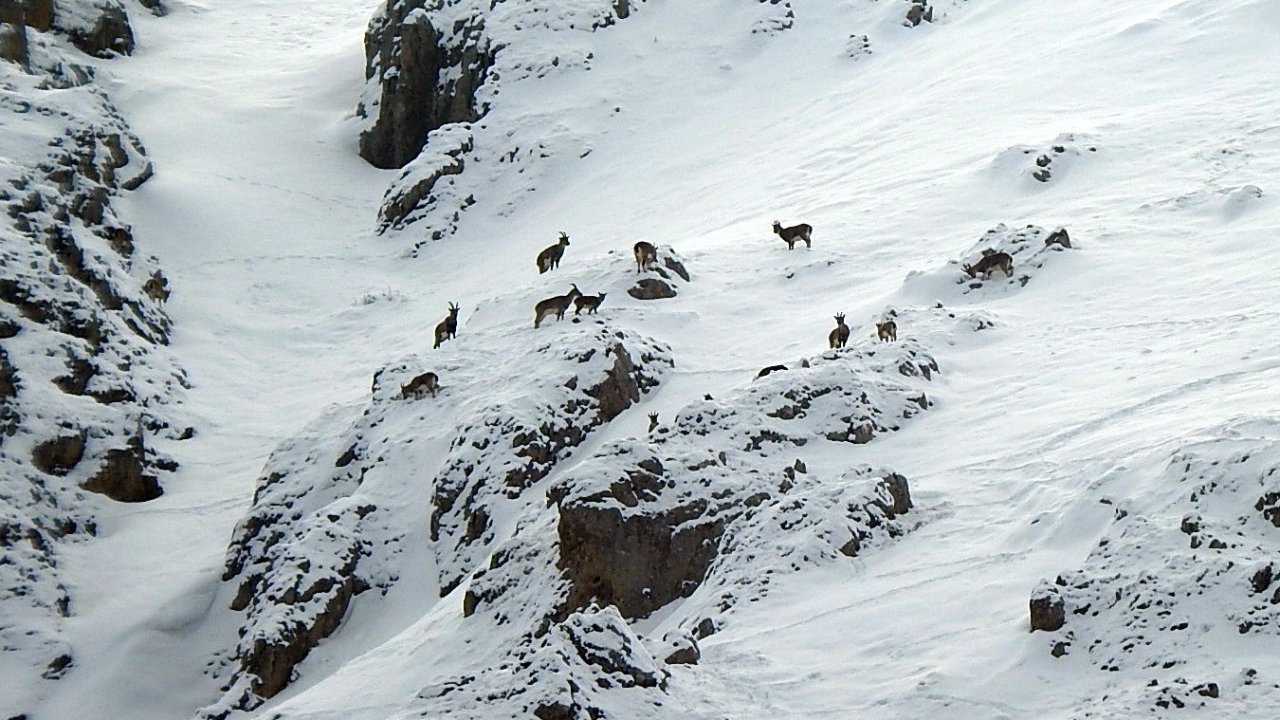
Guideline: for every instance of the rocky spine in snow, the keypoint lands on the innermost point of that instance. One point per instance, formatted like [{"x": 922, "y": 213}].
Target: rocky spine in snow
[
  {"x": 317, "y": 535},
  {"x": 695, "y": 518},
  {"x": 85, "y": 379}
]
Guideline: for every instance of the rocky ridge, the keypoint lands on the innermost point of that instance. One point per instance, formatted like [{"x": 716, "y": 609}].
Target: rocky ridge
[{"x": 86, "y": 382}]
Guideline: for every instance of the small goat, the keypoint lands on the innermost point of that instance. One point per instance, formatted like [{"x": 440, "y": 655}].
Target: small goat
[
  {"x": 839, "y": 337},
  {"x": 554, "y": 306},
  {"x": 770, "y": 369},
  {"x": 790, "y": 235},
  {"x": 653, "y": 421},
  {"x": 427, "y": 382},
  {"x": 646, "y": 255},
  {"x": 447, "y": 329},
  {"x": 549, "y": 258},
  {"x": 1002, "y": 261},
  {"x": 590, "y": 303},
  {"x": 887, "y": 331}
]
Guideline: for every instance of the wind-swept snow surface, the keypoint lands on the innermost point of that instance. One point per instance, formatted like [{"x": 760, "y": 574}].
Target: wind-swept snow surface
[{"x": 1096, "y": 432}]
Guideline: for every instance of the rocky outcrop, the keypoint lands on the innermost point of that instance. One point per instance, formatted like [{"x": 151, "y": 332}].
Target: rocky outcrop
[
  {"x": 85, "y": 379},
  {"x": 427, "y": 71},
  {"x": 521, "y": 448},
  {"x": 669, "y": 271},
  {"x": 320, "y": 533},
  {"x": 690, "y": 521},
  {"x": 1189, "y": 554},
  {"x": 13, "y": 32},
  {"x": 433, "y": 69},
  {"x": 98, "y": 27}
]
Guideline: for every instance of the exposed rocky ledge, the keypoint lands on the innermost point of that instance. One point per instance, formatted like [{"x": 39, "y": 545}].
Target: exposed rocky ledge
[{"x": 319, "y": 532}]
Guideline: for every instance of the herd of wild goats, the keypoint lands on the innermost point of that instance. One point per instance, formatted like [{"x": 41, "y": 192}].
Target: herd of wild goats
[{"x": 646, "y": 255}]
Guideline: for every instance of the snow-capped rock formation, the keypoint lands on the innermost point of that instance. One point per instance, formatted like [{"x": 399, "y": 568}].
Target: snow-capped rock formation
[
  {"x": 333, "y": 511},
  {"x": 1189, "y": 560},
  {"x": 85, "y": 378}
]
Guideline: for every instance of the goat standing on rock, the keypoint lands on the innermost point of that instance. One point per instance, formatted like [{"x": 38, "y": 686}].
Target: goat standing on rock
[
  {"x": 554, "y": 306},
  {"x": 790, "y": 235},
  {"x": 447, "y": 328},
  {"x": 646, "y": 255},
  {"x": 549, "y": 258},
  {"x": 840, "y": 336}
]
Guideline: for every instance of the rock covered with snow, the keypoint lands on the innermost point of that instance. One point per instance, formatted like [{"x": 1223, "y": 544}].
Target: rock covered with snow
[
  {"x": 322, "y": 528},
  {"x": 695, "y": 518},
  {"x": 85, "y": 378},
  {"x": 1187, "y": 559}
]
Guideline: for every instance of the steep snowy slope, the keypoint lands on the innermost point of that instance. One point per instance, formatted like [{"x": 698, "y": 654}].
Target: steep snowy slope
[{"x": 858, "y": 536}]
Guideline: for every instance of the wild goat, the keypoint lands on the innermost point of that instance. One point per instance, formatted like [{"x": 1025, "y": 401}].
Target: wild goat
[
  {"x": 790, "y": 235},
  {"x": 989, "y": 262},
  {"x": 427, "y": 382},
  {"x": 588, "y": 302},
  {"x": 887, "y": 330},
  {"x": 653, "y": 421},
  {"x": 840, "y": 336},
  {"x": 770, "y": 369},
  {"x": 549, "y": 258},
  {"x": 554, "y": 306},
  {"x": 447, "y": 328},
  {"x": 646, "y": 255}
]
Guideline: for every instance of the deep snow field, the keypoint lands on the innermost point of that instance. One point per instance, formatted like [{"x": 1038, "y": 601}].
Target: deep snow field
[{"x": 1155, "y": 332}]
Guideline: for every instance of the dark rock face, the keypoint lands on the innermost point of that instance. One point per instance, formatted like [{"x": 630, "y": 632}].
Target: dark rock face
[
  {"x": 1047, "y": 610},
  {"x": 428, "y": 78},
  {"x": 110, "y": 32},
  {"x": 13, "y": 32},
  {"x": 60, "y": 455},
  {"x": 124, "y": 475},
  {"x": 465, "y": 493},
  {"x": 918, "y": 12},
  {"x": 651, "y": 289},
  {"x": 39, "y": 14}
]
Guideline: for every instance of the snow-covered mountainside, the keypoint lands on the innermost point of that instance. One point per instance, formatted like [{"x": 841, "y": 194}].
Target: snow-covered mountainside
[
  {"x": 86, "y": 382},
  {"x": 1028, "y": 470}
]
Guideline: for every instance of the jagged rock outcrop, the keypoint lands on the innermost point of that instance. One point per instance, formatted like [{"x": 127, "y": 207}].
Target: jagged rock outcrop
[
  {"x": 85, "y": 378},
  {"x": 1189, "y": 554},
  {"x": 693, "y": 519},
  {"x": 433, "y": 69},
  {"x": 319, "y": 532}
]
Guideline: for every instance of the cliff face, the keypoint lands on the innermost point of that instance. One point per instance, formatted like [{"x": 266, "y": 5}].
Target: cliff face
[
  {"x": 85, "y": 378},
  {"x": 434, "y": 68}
]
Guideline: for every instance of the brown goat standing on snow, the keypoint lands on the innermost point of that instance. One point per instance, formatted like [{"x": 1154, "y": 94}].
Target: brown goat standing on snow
[
  {"x": 790, "y": 235},
  {"x": 554, "y": 306},
  {"x": 549, "y": 258},
  {"x": 646, "y": 255},
  {"x": 839, "y": 337},
  {"x": 447, "y": 328}
]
